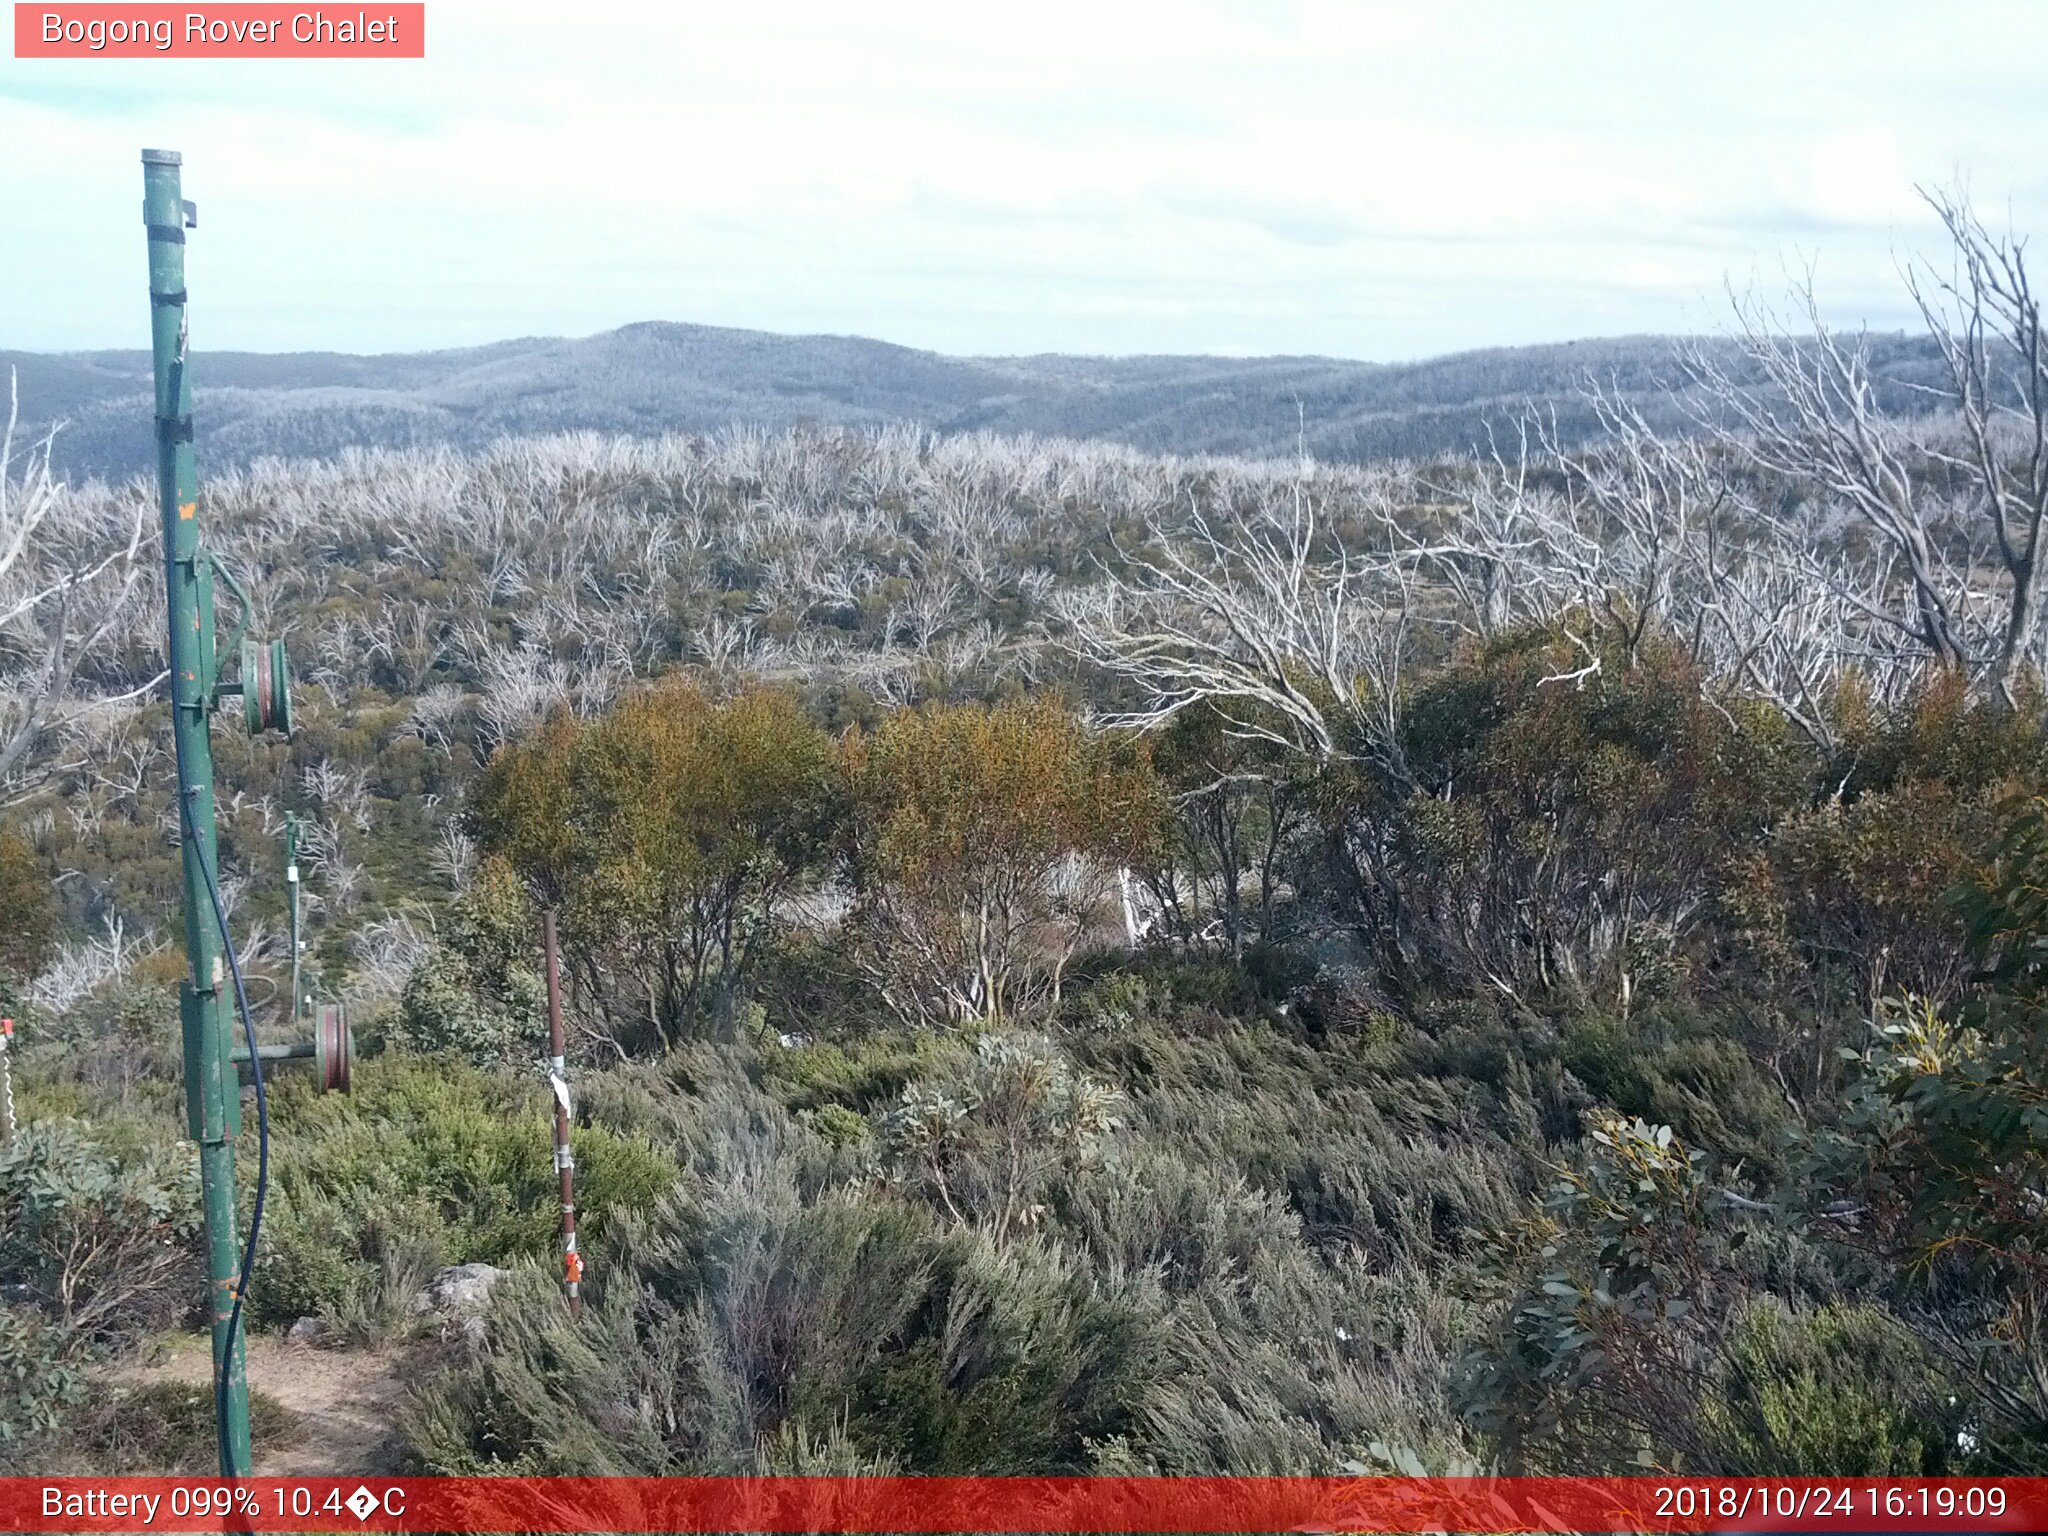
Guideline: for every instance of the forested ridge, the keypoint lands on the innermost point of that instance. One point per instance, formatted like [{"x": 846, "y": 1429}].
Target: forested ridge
[
  {"x": 1082, "y": 960},
  {"x": 656, "y": 378}
]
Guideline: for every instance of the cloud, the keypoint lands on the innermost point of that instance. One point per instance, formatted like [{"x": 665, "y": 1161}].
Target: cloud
[{"x": 1150, "y": 175}]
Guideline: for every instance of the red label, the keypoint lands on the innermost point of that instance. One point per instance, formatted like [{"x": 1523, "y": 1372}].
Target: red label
[
  {"x": 1325, "y": 1506},
  {"x": 240, "y": 31}
]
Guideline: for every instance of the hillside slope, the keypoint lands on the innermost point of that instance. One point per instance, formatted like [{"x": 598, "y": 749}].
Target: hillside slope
[{"x": 655, "y": 377}]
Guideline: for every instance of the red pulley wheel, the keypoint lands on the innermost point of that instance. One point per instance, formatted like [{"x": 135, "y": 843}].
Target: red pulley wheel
[
  {"x": 334, "y": 1048},
  {"x": 266, "y": 687}
]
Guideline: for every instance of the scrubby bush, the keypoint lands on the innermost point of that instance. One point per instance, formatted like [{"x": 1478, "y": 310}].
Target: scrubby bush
[
  {"x": 985, "y": 844},
  {"x": 1405, "y": 1169},
  {"x": 1945, "y": 1144},
  {"x": 1609, "y": 1301},
  {"x": 744, "y": 1326},
  {"x": 166, "y": 1428},
  {"x": 741, "y": 1315},
  {"x": 114, "y": 1052},
  {"x": 1558, "y": 835},
  {"x": 1024, "y": 1361},
  {"x": 429, "y": 1161},
  {"x": 101, "y": 1240},
  {"x": 1166, "y": 1308},
  {"x": 29, "y": 917},
  {"x": 984, "y": 1142},
  {"x": 860, "y": 1075},
  {"x": 479, "y": 992},
  {"x": 1239, "y": 808},
  {"x": 42, "y": 1377},
  {"x": 671, "y": 833},
  {"x": 97, "y": 1240},
  {"x": 1693, "y": 1071},
  {"x": 1836, "y": 1390}
]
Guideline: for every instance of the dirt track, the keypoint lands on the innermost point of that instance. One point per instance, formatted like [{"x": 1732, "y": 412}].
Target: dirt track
[{"x": 344, "y": 1401}]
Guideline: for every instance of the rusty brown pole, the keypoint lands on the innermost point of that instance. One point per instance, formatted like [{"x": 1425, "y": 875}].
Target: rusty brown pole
[
  {"x": 6, "y": 1086},
  {"x": 558, "y": 1080}
]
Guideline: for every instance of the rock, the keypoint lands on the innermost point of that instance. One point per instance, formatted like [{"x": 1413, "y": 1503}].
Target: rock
[
  {"x": 307, "y": 1330},
  {"x": 463, "y": 1288}
]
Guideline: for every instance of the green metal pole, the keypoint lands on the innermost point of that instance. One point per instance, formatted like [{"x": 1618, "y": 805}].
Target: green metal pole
[{"x": 212, "y": 1096}]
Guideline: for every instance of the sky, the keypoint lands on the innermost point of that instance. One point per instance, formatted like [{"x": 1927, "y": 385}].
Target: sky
[{"x": 1116, "y": 176}]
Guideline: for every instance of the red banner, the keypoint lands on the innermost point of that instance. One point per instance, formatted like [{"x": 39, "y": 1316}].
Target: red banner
[
  {"x": 1052, "y": 1504},
  {"x": 103, "y": 31}
]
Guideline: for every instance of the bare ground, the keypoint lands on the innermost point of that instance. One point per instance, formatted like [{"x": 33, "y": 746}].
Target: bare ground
[{"x": 343, "y": 1401}]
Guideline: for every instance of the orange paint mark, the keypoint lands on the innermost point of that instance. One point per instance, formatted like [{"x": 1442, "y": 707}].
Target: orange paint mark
[{"x": 186, "y": 509}]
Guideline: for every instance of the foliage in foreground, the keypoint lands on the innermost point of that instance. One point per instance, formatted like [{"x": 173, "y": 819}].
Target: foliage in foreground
[
  {"x": 97, "y": 1248},
  {"x": 428, "y": 1162},
  {"x": 797, "y": 1291},
  {"x": 1500, "y": 1090}
]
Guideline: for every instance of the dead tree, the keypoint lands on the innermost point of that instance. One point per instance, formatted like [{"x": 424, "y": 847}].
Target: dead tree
[
  {"x": 1294, "y": 638},
  {"x": 66, "y": 585},
  {"x": 1947, "y": 496},
  {"x": 1987, "y": 322}
]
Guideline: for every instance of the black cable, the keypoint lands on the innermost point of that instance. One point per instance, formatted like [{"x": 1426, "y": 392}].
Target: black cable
[{"x": 220, "y": 917}]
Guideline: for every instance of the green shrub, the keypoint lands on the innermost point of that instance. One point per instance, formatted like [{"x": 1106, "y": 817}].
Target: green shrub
[
  {"x": 810, "y": 989},
  {"x": 41, "y": 1376},
  {"x": 669, "y": 833},
  {"x": 838, "y": 1125},
  {"x": 479, "y": 992},
  {"x": 166, "y": 1429},
  {"x": 985, "y": 1142},
  {"x": 1605, "y": 1303},
  {"x": 314, "y": 1262},
  {"x": 1290, "y": 1366},
  {"x": 102, "y": 1240},
  {"x": 428, "y": 1160},
  {"x": 29, "y": 916},
  {"x": 1403, "y": 1168},
  {"x": 1556, "y": 840},
  {"x": 117, "y": 1050},
  {"x": 1026, "y": 1362},
  {"x": 858, "y": 1075},
  {"x": 983, "y": 844},
  {"x": 1691, "y": 1072},
  {"x": 1837, "y": 1390},
  {"x": 740, "y": 1320},
  {"x": 1186, "y": 1221},
  {"x": 721, "y": 1321}
]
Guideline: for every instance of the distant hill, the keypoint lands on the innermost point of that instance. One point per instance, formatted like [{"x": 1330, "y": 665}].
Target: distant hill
[{"x": 658, "y": 377}]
